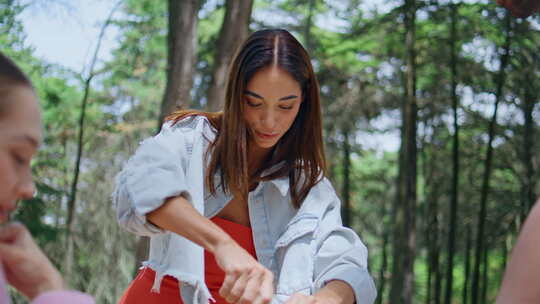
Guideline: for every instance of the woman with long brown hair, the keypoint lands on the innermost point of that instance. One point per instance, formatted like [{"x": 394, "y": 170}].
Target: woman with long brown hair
[{"x": 236, "y": 202}]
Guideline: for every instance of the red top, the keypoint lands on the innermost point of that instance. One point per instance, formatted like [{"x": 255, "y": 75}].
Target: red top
[
  {"x": 214, "y": 276},
  {"x": 139, "y": 290}
]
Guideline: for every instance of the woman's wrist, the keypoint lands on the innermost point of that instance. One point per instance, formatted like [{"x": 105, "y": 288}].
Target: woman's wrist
[
  {"x": 327, "y": 299},
  {"x": 336, "y": 292},
  {"x": 178, "y": 216},
  {"x": 52, "y": 282},
  {"x": 221, "y": 240}
]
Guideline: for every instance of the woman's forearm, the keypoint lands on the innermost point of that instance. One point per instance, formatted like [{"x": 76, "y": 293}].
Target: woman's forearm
[
  {"x": 336, "y": 292},
  {"x": 178, "y": 215}
]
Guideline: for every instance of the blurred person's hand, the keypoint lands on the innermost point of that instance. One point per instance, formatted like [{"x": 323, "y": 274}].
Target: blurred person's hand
[{"x": 25, "y": 265}]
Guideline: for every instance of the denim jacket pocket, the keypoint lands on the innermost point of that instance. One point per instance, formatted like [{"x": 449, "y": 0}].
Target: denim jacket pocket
[{"x": 295, "y": 256}]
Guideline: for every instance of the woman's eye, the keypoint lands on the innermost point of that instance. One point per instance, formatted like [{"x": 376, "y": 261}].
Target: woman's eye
[
  {"x": 19, "y": 160},
  {"x": 286, "y": 108},
  {"x": 251, "y": 104}
]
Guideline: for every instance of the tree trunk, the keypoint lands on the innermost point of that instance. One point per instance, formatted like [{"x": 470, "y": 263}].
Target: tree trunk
[
  {"x": 429, "y": 285},
  {"x": 436, "y": 244},
  {"x": 530, "y": 97},
  {"x": 434, "y": 272},
  {"x": 504, "y": 256},
  {"x": 432, "y": 221},
  {"x": 309, "y": 22},
  {"x": 487, "y": 171},
  {"x": 467, "y": 270},
  {"x": 71, "y": 205},
  {"x": 434, "y": 252},
  {"x": 438, "y": 275},
  {"x": 181, "y": 55},
  {"x": 384, "y": 266},
  {"x": 404, "y": 231},
  {"x": 181, "y": 60},
  {"x": 485, "y": 280},
  {"x": 234, "y": 31},
  {"x": 455, "y": 161},
  {"x": 346, "y": 192}
]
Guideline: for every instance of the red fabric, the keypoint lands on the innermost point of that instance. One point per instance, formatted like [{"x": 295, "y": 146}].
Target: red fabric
[
  {"x": 139, "y": 291},
  {"x": 521, "y": 8}
]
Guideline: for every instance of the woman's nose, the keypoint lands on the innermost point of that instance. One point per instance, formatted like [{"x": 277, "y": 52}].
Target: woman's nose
[
  {"x": 268, "y": 120},
  {"x": 27, "y": 189}
]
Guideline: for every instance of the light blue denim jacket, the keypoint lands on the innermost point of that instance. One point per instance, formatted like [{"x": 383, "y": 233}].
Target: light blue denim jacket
[{"x": 304, "y": 248}]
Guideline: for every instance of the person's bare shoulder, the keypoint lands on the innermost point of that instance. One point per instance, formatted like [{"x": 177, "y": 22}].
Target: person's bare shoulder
[
  {"x": 520, "y": 283},
  {"x": 534, "y": 215}
]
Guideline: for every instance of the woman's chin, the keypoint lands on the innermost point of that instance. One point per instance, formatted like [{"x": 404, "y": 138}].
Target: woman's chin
[{"x": 266, "y": 144}]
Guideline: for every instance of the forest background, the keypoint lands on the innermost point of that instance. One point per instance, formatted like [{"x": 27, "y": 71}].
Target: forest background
[{"x": 431, "y": 112}]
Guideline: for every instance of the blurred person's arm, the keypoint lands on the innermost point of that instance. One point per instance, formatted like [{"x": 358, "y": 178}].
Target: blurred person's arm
[{"x": 522, "y": 276}]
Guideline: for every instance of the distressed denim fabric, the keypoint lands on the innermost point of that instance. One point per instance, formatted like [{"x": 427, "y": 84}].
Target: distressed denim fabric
[{"x": 304, "y": 248}]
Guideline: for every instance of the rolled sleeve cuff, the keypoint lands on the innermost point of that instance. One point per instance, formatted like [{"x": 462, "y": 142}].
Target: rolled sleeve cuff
[
  {"x": 150, "y": 188},
  {"x": 144, "y": 185},
  {"x": 134, "y": 199},
  {"x": 63, "y": 296},
  {"x": 358, "y": 278}
]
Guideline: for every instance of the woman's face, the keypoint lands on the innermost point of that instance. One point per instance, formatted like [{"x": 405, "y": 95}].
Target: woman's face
[
  {"x": 272, "y": 100},
  {"x": 20, "y": 136}
]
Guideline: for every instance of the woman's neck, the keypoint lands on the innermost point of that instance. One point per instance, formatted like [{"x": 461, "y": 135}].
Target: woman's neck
[{"x": 257, "y": 156}]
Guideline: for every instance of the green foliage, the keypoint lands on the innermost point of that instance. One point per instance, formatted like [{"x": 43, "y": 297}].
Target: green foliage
[
  {"x": 11, "y": 31},
  {"x": 34, "y": 213}
]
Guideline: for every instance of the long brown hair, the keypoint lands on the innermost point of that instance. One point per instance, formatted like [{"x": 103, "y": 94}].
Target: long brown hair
[
  {"x": 300, "y": 152},
  {"x": 10, "y": 77}
]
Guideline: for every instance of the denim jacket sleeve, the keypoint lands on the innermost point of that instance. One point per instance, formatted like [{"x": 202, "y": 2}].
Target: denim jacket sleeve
[
  {"x": 154, "y": 173},
  {"x": 341, "y": 255}
]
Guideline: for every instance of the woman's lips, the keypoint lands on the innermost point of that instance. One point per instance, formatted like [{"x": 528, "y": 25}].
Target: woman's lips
[
  {"x": 5, "y": 210},
  {"x": 266, "y": 135},
  {"x": 4, "y": 215}
]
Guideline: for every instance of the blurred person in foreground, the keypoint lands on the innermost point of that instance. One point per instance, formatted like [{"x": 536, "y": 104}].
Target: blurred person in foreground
[
  {"x": 522, "y": 275},
  {"x": 521, "y": 282},
  {"x": 521, "y": 8},
  {"x": 22, "y": 263}
]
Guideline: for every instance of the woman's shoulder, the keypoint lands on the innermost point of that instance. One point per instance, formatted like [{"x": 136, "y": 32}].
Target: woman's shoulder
[
  {"x": 187, "y": 122},
  {"x": 194, "y": 125},
  {"x": 321, "y": 197},
  {"x": 323, "y": 188}
]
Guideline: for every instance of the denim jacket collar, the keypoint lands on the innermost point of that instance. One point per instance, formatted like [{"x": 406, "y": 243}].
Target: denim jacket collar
[{"x": 281, "y": 184}]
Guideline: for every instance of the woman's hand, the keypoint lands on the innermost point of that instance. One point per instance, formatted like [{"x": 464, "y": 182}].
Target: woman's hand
[
  {"x": 246, "y": 281},
  {"x": 26, "y": 266}
]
